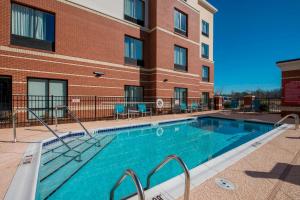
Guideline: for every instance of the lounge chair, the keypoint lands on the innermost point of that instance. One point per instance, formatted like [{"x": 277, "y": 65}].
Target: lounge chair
[
  {"x": 234, "y": 105},
  {"x": 143, "y": 109},
  {"x": 196, "y": 107},
  {"x": 120, "y": 111},
  {"x": 183, "y": 107},
  {"x": 256, "y": 105}
]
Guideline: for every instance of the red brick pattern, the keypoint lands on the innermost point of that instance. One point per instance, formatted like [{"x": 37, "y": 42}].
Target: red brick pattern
[{"x": 85, "y": 35}]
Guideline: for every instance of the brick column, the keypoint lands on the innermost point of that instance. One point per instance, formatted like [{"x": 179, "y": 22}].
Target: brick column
[
  {"x": 218, "y": 103},
  {"x": 248, "y": 101}
]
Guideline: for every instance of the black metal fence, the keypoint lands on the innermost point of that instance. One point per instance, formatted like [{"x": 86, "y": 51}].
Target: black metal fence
[
  {"x": 86, "y": 108},
  {"x": 257, "y": 105}
]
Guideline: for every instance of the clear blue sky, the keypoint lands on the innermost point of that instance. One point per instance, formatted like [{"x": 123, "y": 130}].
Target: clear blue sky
[{"x": 250, "y": 36}]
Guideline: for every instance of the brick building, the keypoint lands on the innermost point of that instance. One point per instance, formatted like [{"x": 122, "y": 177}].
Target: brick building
[
  {"x": 123, "y": 48},
  {"x": 290, "y": 86}
]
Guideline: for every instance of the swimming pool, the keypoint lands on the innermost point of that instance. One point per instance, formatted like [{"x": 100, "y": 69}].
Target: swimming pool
[{"x": 141, "y": 149}]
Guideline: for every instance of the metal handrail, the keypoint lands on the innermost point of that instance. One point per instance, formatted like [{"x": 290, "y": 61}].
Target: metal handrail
[
  {"x": 138, "y": 185},
  {"x": 40, "y": 120},
  {"x": 186, "y": 173},
  {"x": 295, "y": 116},
  {"x": 73, "y": 116}
]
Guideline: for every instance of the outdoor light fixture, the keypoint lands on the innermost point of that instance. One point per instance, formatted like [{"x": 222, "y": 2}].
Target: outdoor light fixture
[
  {"x": 165, "y": 80},
  {"x": 98, "y": 74}
]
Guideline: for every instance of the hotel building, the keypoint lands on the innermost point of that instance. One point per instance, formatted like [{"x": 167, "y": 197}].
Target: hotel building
[
  {"x": 123, "y": 48},
  {"x": 290, "y": 81}
]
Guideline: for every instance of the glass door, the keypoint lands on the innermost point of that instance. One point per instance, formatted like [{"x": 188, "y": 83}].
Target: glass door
[
  {"x": 133, "y": 95},
  {"x": 44, "y": 95},
  {"x": 180, "y": 95},
  {"x": 5, "y": 97}
]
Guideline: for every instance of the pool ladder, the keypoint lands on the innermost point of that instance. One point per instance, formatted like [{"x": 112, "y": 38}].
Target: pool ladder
[
  {"x": 138, "y": 185},
  {"x": 295, "y": 116}
]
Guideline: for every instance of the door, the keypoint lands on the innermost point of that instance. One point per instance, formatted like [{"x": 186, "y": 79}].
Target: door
[
  {"x": 44, "y": 95},
  {"x": 180, "y": 95},
  {"x": 5, "y": 97}
]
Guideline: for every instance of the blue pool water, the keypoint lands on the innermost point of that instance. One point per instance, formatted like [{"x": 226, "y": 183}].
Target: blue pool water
[{"x": 141, "y": 149}]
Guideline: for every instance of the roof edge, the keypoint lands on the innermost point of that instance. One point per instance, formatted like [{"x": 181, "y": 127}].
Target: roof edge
[
  {"x": 287, "y": 61},
  {"x": 208, "y": 6}
]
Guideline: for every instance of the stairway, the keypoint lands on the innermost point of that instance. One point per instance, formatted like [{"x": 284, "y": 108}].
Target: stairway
[{"x": 59, "y": 164}]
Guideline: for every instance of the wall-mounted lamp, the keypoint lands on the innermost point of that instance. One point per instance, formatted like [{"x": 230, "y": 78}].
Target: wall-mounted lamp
[
  {"x": 165, "y": 80},
  {"x": 98, "y": 74}
]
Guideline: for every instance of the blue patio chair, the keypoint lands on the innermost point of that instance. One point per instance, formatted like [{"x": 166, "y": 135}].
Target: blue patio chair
[
  {"x": 234, "y": 105},
  {"x": 143, "y": 109},
  {"x": 194, "y": 106},
  {"x": 256, "y": 105},
  {"x": 120, "y": 111},
  {"x": 183, "y": 107}
]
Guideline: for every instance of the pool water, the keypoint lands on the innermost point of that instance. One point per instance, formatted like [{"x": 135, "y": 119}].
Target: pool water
[{"x": 142, "y": 149}]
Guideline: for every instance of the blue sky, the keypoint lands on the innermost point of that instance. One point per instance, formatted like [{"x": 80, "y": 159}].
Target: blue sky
[{"x": 250, "y": 37}]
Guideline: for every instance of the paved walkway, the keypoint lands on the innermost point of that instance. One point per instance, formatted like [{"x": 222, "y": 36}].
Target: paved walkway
[{"x": 271, "y": 172}]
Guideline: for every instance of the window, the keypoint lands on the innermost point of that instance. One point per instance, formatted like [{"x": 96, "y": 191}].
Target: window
[
  {"x": 205, "y": 51},
  {"x": 180, "y": 95},
  {"x": 205, "y": 98},
  {"x": 44, "y": 95},
  {"x": 205, "y": 28},
  {"x": 133, "y": 51},
  {"x": 32, "y": 28},
  {"x": 134, "y": 11},
  {"x": 180, "y": 22},
  {"x": 134, "y": 93},
  {"x": 180, "y": 58},
  {"x": 205, "y": 73}
]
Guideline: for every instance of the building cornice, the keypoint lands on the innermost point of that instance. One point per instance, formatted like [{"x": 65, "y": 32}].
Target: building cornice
[
  {"x": 208, "y": 6},
  {"x": 289, "y": 65}
]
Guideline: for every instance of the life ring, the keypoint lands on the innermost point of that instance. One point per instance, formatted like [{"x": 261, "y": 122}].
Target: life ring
[
  {"x": 159, "y": 131},
  {"x": 159, "y": 103}
]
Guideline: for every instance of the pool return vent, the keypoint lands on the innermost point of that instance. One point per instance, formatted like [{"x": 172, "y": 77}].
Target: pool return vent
[{"x": 225, "y": 184}]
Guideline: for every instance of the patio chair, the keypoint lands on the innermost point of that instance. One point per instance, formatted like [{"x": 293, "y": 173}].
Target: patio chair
[
  {"x": 120, "y": 111},
  {"x": 143, "y": 109},
  {"x": 196, "y": 107},
  {"x": 256, "y": 105},
  {"x": 183, "y": 107},
  {"x": 234, "y": 105}
]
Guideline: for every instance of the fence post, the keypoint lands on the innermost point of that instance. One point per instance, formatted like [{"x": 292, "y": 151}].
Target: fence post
[
  {"x": 172, "y": 105},
  {"x": 52, "y": 108},
  {"x": 95, "y": 108}
]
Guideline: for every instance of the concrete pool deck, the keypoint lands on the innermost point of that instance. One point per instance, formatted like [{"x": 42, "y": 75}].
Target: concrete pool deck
[{"x": 281, "y": 151}]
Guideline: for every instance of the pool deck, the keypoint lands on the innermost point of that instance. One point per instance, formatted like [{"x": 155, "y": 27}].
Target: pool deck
[{"x": 272, "y": 171}]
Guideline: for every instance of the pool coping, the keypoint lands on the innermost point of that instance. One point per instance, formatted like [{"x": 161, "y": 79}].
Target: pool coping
[
  {"x": 25, "y": 181},
  {"x": 173, "y": 188}
]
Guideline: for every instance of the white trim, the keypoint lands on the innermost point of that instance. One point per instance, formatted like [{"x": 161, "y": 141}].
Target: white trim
[
  {"x": 59, "y": 56},
  {"x": 289, "y": 65},
  {"x": 174, "y": 188},
  {"x": 291, "y": 77},
  {"x": 25, "y": 180},
  {"x": 105, "y": 64},
  {"x": 206, "y": 83}
]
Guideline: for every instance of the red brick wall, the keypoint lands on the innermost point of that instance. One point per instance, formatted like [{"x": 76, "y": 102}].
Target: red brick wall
[
  {"x": 82, "y": 34},
  {"x": 292, "y": 103}
]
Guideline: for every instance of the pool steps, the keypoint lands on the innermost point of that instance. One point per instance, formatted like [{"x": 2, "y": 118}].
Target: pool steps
[{"x": 64, "y": 166}]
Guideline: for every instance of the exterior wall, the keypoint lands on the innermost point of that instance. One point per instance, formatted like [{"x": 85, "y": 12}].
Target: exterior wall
[
  {"x": 88, "y": 40},
  {"x": 113, "y": 8},
  {"x": 290, "y": 86},
  {"x": 291, "y": 91}
]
